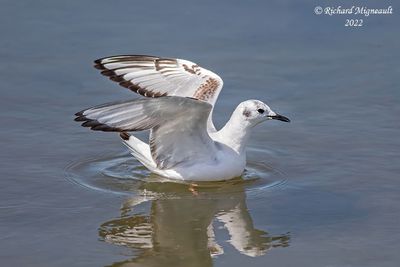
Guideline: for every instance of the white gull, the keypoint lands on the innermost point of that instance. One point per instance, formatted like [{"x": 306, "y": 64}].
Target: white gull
[{"x": 177, "y": 109}]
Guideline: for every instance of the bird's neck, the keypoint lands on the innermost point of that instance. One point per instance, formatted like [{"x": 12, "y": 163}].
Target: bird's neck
[{"x": 235, "y": 134}]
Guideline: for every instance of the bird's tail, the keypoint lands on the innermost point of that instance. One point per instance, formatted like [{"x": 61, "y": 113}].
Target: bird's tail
[{"x": 139, "y": 149}]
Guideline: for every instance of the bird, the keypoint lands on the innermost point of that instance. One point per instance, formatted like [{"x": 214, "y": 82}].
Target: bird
[{"x": 176, "y": 107}]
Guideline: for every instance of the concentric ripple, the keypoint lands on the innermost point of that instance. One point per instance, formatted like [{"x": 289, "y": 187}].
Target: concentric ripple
[{"x": 123, "y": 174}]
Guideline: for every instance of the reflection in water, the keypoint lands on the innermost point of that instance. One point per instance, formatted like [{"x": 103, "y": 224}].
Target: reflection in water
[{"x": 181, "y": 230}]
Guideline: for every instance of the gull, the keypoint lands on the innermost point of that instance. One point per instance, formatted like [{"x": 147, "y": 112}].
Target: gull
[{"x": 177, "y": 107}]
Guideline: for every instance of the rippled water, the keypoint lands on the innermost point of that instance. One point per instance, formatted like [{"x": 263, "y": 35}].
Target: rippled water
[
  {"x": 323, "y": 190},
  {"x": 122, "y": 174}
]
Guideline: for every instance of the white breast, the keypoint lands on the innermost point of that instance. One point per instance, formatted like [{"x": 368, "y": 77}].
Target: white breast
[{"x": 227, "y": 165}]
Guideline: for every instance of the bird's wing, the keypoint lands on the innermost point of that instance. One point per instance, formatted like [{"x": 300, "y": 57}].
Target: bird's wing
[
  {"x": 154, "y": 76},
  {"x": 178, "y": 126}
]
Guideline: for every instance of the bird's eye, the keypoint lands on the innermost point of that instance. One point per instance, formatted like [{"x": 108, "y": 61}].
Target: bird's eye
[{"x": 260, "y": 110}]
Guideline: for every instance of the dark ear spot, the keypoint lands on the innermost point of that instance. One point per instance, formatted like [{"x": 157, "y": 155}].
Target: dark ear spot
[{"x": 246, "y": 112}]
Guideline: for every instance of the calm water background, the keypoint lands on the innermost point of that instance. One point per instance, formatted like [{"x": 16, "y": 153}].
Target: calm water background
[{"x": 339, "y": 158}]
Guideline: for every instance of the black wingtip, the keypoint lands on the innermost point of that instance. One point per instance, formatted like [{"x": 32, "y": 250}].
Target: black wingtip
[
  {"x": 108, "y": 73},
  {"x": 94, "y": 124},
  {"x": 124, "y": 135},
  {"x": 99, "y": 67},
  {"x": 80, "y": 118}
]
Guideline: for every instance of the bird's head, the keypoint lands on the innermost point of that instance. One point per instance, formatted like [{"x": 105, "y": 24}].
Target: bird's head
[{"x": 254, "y": 112}]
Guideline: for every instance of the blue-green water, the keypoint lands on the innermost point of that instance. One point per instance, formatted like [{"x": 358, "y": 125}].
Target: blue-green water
[{"x": 323, "y": 190}]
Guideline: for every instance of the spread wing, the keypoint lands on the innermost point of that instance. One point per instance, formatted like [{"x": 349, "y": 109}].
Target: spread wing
[
  {"x": 154, "y": 76},
  {"x": 178, "y": 126}
]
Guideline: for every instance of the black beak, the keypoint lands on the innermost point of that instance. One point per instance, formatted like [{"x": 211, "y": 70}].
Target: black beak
[{"x": 280, "y": 118}]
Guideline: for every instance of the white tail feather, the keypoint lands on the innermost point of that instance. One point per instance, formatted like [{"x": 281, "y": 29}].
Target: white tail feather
[{"x": 141, "y": 151}]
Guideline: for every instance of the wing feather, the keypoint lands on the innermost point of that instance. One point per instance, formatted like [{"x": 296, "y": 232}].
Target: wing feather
[
  {"x": 178, "y": 126},
  {"x": 154, "y": 76}
]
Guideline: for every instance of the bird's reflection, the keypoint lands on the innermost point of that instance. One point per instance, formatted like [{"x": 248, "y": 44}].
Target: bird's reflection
[{"x": 181, "y": 227}]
